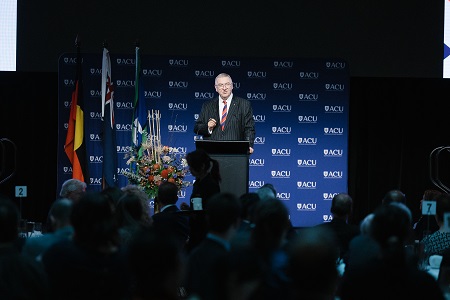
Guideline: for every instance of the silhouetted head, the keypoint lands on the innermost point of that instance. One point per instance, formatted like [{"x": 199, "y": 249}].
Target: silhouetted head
[
  {"x": 167, "y": 193},
  {"x": 341, "y": 205},
  {"x": 73, "y": 189},
  {"x": 394, "y": 196}
]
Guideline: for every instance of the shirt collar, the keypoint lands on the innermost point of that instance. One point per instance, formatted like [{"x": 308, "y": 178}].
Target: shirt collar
[
  {"x": 228, "y": 100},
  {"x": 164, "y": 207}
]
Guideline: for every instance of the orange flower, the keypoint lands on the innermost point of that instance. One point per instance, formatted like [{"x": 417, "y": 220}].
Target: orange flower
[
  {"x": 165, "y": 173},
  {"x": 171, "y": 179},
  {"x": 151, "y": 177},
  {"x": 155, "y": 166}
]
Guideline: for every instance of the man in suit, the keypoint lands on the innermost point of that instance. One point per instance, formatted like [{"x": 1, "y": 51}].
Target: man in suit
[
  {"x": 169, "y": 219},
  {"x": 223, "y": 215},
  {"x": 341, "y": 209},
  {"x": 60, "y": 219},
  {"x": 234, "y": 123}
]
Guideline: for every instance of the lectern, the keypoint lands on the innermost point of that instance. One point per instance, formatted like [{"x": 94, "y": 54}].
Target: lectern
[{"x": 233, "y": 162}]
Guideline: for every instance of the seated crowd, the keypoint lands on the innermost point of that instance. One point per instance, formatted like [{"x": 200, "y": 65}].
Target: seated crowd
[{"x": 106, "y": 245}]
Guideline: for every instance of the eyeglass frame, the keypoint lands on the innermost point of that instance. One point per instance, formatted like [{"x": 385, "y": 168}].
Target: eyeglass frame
[{"x": 222, "y": 85}]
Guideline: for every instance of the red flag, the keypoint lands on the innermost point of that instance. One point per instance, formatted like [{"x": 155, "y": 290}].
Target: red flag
[{"x": 75, "y": 146}]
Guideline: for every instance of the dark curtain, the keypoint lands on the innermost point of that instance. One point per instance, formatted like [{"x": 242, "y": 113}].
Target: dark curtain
[{"x": 395, "y": 123}]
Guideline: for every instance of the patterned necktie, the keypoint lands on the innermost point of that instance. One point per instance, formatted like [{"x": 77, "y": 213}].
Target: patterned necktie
[{"x": 224, "y": 115}]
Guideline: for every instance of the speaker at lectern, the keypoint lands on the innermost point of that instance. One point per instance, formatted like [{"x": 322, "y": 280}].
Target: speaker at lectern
[{"x": 233, "y": 163}]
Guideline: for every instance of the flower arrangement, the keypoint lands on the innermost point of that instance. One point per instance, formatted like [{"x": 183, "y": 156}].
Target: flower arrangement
[{"x": 151, "y": 163}]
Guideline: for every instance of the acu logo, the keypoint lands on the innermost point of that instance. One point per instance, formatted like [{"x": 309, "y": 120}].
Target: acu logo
[
  {"x": 179, "y": 62},
  {"x": 95, "y": 181},
  {"x": 309, "y": 75},
  {"x": 204, "y": 73},
  {"x": 255, "y": 183},
  {"x": 308, "y": 97},
  {"x": 335, "y": 65},
  {"x": 178, "y": 106},
  {"x": 307, "y": 141},
  {"x": 306, "y": 184},
  {"x": 329, "y": 196},
  {"x": 281, "y": 130},
  {"x": 283, "y": 64},
  {"x": 256, "y": 74},
  {"x": 231, "y": 63},
  {"x": 96, "y": 159},
  {"x": 178, "y": 84},
  {"x": 283, "y": 108}
]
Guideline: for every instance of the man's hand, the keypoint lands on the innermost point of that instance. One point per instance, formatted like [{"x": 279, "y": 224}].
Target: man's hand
[
  {"x": 211, "y": 123},
  {"x": 250, "y": 150}
]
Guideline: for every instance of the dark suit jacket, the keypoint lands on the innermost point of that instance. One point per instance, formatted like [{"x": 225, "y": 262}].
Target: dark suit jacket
[
  {"x": 239, "y": 125},
  {"x": 170, "y": 221},
  {"x": 201, "y": 276},
  {"x": 343, "y": 233}
]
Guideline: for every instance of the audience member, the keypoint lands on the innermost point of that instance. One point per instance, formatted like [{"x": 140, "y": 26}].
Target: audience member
[
  {"x": 206, "y": 171},
  {"x": 22, "y": 277},
  {"x": 364, "y": 227},
  {"x": 73, "y": 189},
  {"x": 394, "y": 196},
  {"x": 238, "y": 274},
  {"x": 130, "y": 216},
  {"x": 390, "y": 275},
  {"x": 362, "y": 247},
  {"x": 223, "y": 216},
  {"x": 113, "y": 194},
  {"x": 312, "y": 265},
  {"x": 92, "y": 265},
  {"x": 426, "y": 224},
  {"x": 139, "y": 192},
  {"x": 157, "y": 265},
  {"x": 169, "y": 219},
  {"x": 444, "y": 272},
  {"x": 207, "y": 183},
  {"x": 269, "y": 240},
  {"x": 248, "y": 202},
  {"x": 267, "y": 191},
  {"x": 60, "y": 219},
  {"x": 341, "y": 210},
  {"x": 439, "y": 241}
]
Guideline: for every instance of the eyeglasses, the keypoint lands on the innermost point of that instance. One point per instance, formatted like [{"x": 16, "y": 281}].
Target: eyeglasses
[{"x": 222, "y": 85}]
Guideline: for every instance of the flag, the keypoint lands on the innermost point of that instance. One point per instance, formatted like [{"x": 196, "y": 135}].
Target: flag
[
  {"x": 139, "y": 121},
  {"x": 109, "y": 133},
  {"x": 75, "y": 145}
]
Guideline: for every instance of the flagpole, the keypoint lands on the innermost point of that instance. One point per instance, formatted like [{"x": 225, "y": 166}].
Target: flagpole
[{"x": 159, "y": 128}]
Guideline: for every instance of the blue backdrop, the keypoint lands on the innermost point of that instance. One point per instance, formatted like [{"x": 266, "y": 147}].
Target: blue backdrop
[{"x": 300, "y": 108}]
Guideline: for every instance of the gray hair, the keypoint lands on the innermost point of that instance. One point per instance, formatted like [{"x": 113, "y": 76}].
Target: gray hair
[{"x": 70, "y": 186}]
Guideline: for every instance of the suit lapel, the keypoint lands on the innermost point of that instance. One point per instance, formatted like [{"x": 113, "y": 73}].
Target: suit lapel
[
  {"x": 216, "y": 109},
  {"x": 233, "y": 108}
]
